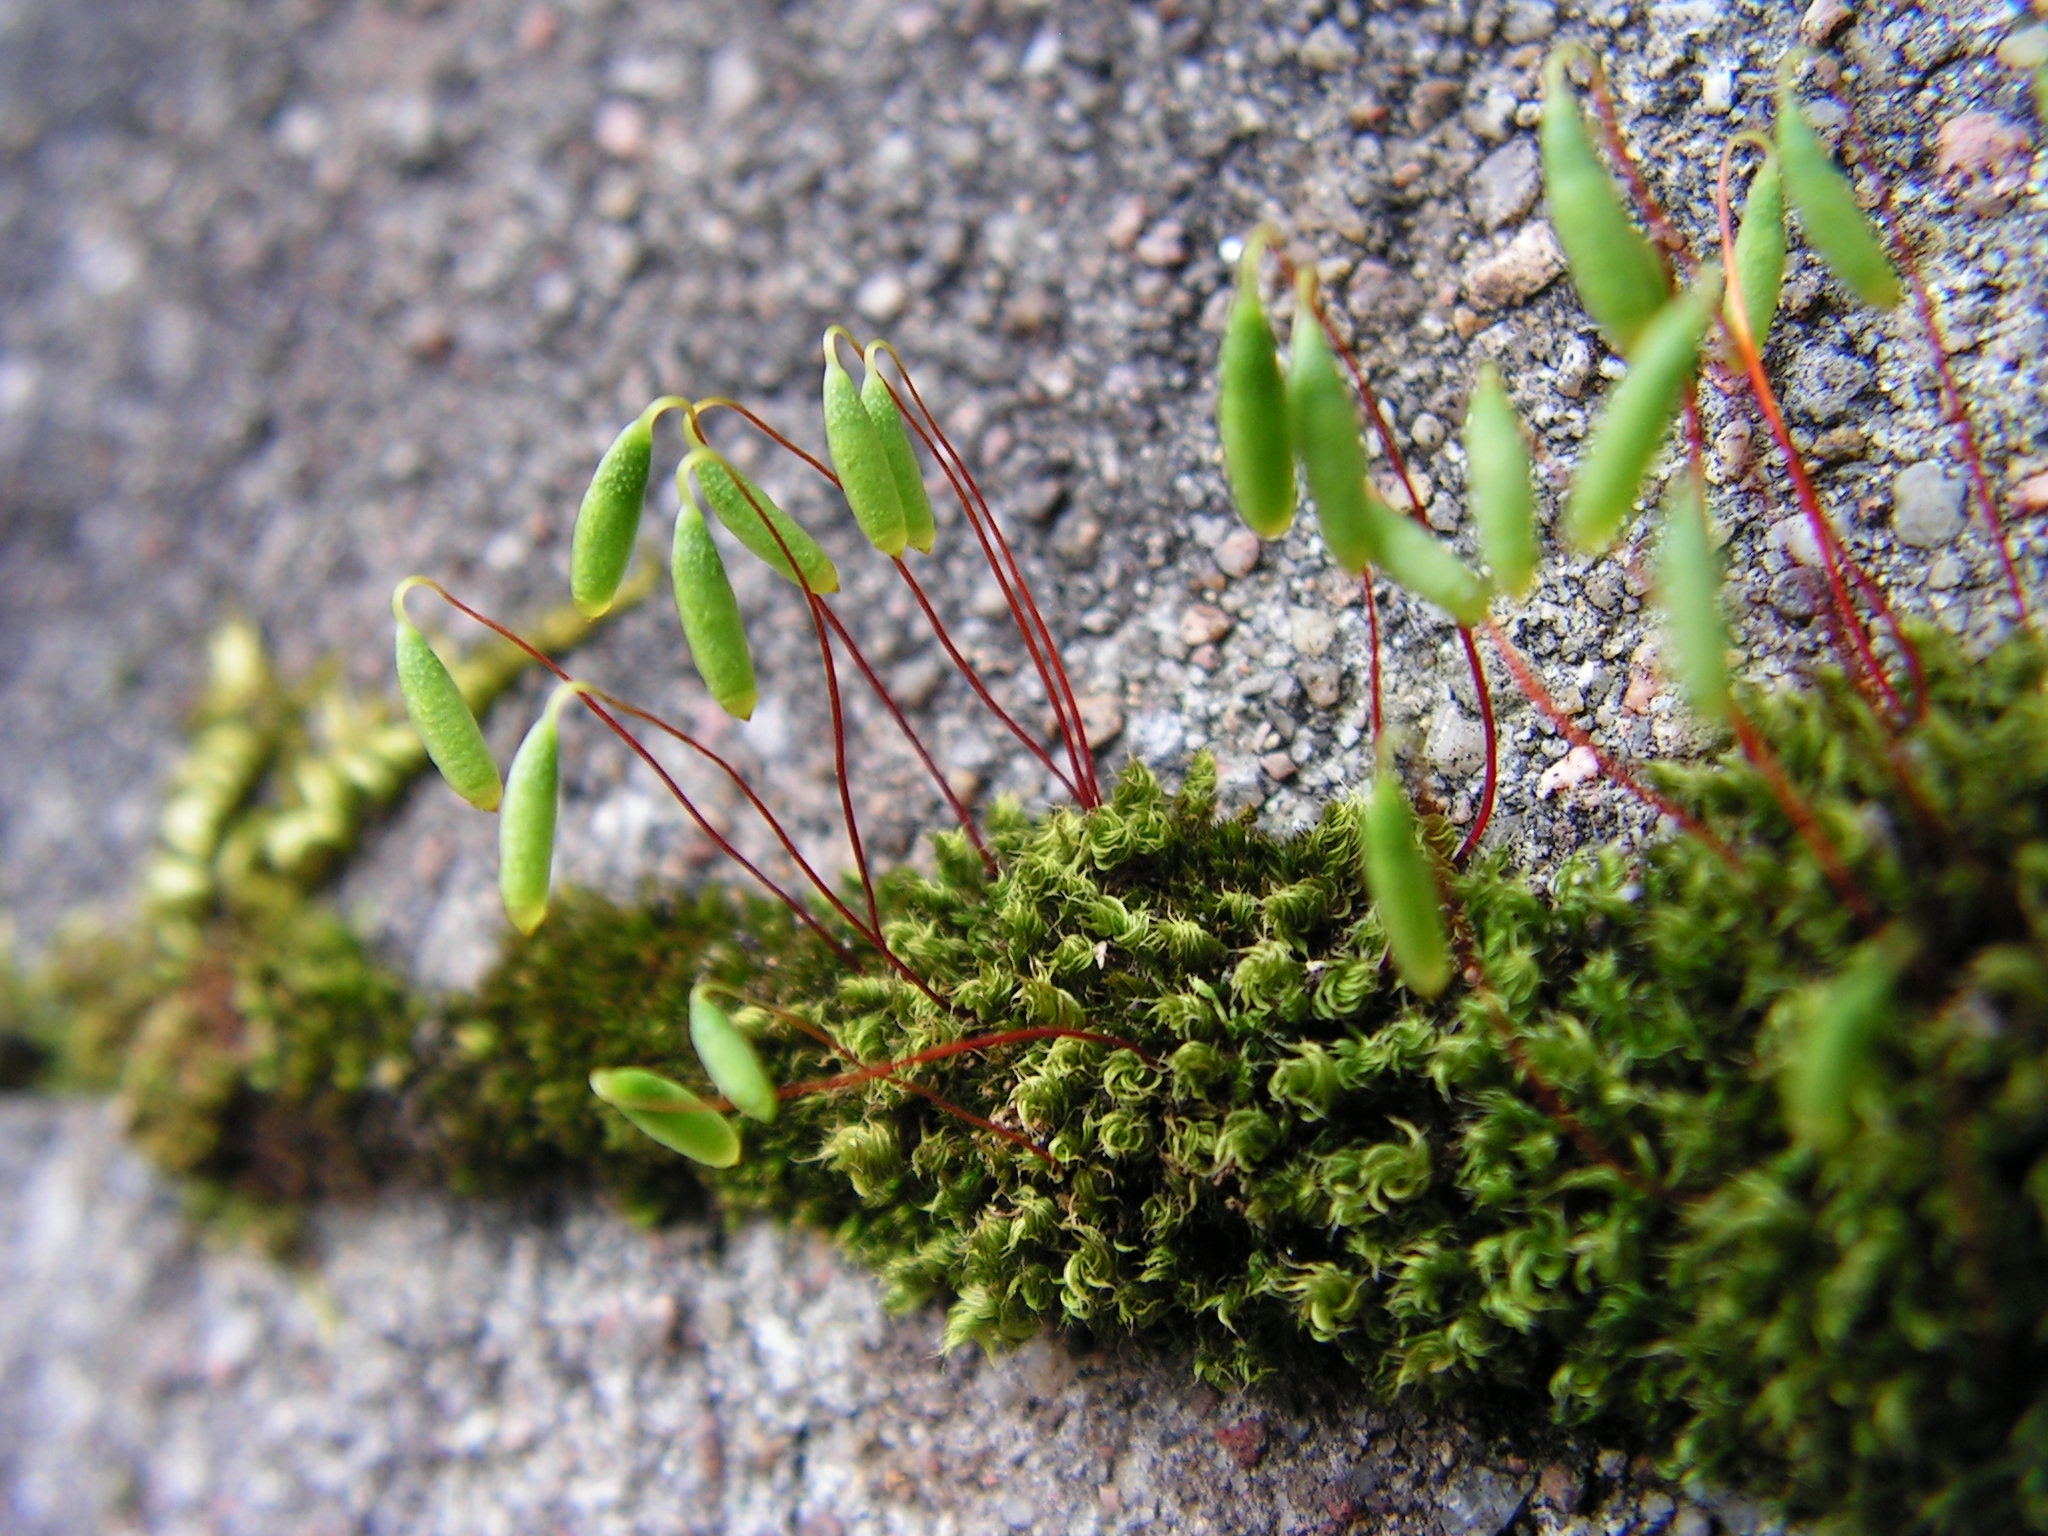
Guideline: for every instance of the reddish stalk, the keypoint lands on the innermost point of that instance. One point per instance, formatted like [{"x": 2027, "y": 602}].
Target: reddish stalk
[
  {"x": 1662, "y": 231},
  {"x": 1552, "y": 1103},
  {"x": 1953, "y": 407},
  {"x": 860, "y": 855},
  {"x": 633, "y": 743},
  {"x": 1491, "y": 781},
  {"x": 868, "y": 1073},
  {"x": 815, "y": 606},
  {"x": 676, "y": 733},
  {"x": 1372, "y": 638},
  {"x": 1002, "y": 563},
  {"x": 1533, "y": 690},
  {"x": 1016, "y": 1138},
  {"x": 945, "y": 639},
  {"x": 967, "y": 493},
  {"x": 1760, "y": 756},
  {"x": 860, "y": 661},
  {"x": 852, "y": 647},
  {"x": 813, "y": 1032},
  {"x": 1547, "y": 1097},
  {"x": 966, "y": 669},
  {"x": 1486, "y": 723},
  {"x": 1861, "y": 662},
  {"x": 720, "y": 402}
]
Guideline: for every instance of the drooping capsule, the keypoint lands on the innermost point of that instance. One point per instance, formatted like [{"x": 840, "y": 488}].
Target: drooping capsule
[
  {"x": 1619, "y": 276},
  {"x": 859, "y": 458},
  {"x": 1839, "y": 1023},
  {"x": 1251, "y": 408},
  {"x": 1636, "y": 419},
  {"x": 608, "y": 522},
  {"x": 1424, "y": 564},
  {"x": 1398, "y": 874},
  {"x": 1324, "y": 427},
  {"x": 1760, "y": 249},
  {"x": 670, "y": 1113},
  {"x": 919, "y": 527},
  {"x": 748, "y": 512},
  {"x": 1689, "y": 591},
  {"x": 438, "y": 712},
  {"x": 709, "y": 611},
  {"x": 1835, "y": 226},
  {"x": 526, "y": 821},
  {"x": 730, "y": 1059},
  {"x": 1497, "y": 484}
]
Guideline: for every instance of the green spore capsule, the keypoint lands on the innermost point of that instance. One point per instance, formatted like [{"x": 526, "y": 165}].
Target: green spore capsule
[
  {"x": 1842, "y": 1019},
  {"x": 1251, "y": 408},
  {"x": 608, "y": 522},
  {"x": 1760, "y": 248},
  {"x": 1636, "y": 419},
  {"x": 729, "y": 1057},
  {"x": 1837, "y": 229},
  {"x": 712, "y": 625},
  {"x": 1498, "y": 486},
  {"x": 670, "y": 1113},
  {"x": 860, "y": 459},
  {"x": 1619, "y": 276},
  {"x": 526, "y": 821},
  {"x": 919, "y": 527},
  {"x": 1324, "y": 428},
  {"x": 747, "y": 511},
  {"x": 1398, "y": 874},
  {"x": 438, "y": 712},
  {"x": 1689, "y": 590},
  {"x": 1421, "y": 562}
]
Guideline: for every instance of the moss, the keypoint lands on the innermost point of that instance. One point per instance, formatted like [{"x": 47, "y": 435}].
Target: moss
[{"x": 1567, "y": 1179}]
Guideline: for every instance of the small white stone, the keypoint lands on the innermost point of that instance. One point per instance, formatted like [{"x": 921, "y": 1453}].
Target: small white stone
[{"x": 1576, "y": 767}]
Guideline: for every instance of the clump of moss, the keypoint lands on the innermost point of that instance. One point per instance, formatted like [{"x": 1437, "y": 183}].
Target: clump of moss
[{"x": 1569, "y": 1177}]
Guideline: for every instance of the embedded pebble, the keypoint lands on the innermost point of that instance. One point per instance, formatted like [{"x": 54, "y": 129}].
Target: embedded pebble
[
  {"x": 1927, "y": 505},
  {"x": 1795, "y": 538},
  {"x": 1519, "y": 270},
  {"x": 1455, "y": 744},
  {"x": 1076, "y": 538},
  {"x": 1322, "y": 681},
  {"x": 1156, "y": 737},
  {"x": 1165, "y": 244},
  {"x": 1504, "y": 185},
  {"x": 1717, "y": 88},
  {"x": 1328, "y": 48},
  {"x": 1102, "y": 718},
  {"x": 882, "y": 297},
  {"x": 2030, "y": 496},
  {"x": 1823, "y": 19},
  {"x": 1312, "y": 631},
  {"x": 1481, "y": 1503},
  {"x": 1203, "y": 624},
  {"x": 1528, "y": 21},
  {"x": 1983, "y": 159},
  {"x": 1238, "y": 555},
  {"x": 620, "y": 129},
  {"x": 1576, "y": 767}
]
